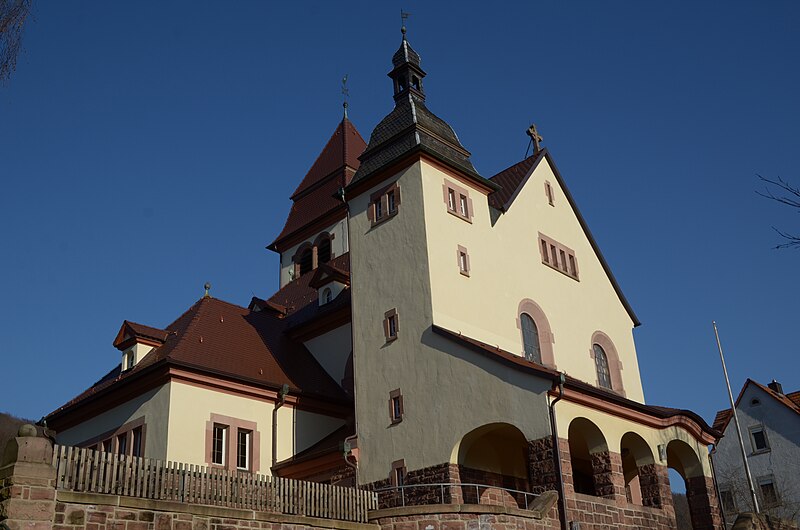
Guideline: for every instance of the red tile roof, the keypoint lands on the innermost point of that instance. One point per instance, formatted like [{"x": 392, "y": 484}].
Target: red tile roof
[
  {"x": 315, "y": 197},
  {"x": 134, "y": 330},
  {"x": 232, "y": 342},
  {"x": 510, "y": 180},
  {"x": 790, "y": 401}
]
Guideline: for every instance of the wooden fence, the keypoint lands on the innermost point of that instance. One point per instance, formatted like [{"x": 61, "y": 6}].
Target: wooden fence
[{"x": 87, "y": 470}]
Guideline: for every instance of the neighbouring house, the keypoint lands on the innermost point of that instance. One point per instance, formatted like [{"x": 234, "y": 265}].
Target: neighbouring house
[
  {"x": 431, "y": 326},
  {"x": 770, "y": 426}
]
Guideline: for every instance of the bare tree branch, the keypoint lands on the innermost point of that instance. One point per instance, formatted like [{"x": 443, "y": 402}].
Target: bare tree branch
[
  {"x": 13, "y": 14},
  {"x": 787, "y": 195}
]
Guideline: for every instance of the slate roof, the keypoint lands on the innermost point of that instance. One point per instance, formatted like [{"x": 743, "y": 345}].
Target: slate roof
[
  {"x": 411, "y": 125},
  {"x": 230, "y": 341},
  {"x": 790, "y": 401},
  {"x": 333, "y": 169}
]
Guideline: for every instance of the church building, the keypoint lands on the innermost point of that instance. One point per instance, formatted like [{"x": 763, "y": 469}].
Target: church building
[{"x": 431, "y": 326}]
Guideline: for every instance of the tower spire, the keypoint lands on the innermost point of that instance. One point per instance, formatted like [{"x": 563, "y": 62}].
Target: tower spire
[{"x": 403, "y": 17}]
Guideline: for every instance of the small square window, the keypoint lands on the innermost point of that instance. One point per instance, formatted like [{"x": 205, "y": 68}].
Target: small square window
[
  {"x": 758, "y": 439},
  {"x": 395, "y": 406},
  {"x": 457, "y": 200},
  {"x": 391, "y": 325},
  {"x": 384, "y": 204}
]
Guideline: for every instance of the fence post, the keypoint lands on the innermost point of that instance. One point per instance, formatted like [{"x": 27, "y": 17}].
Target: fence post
[{"x": 28, "y": 482}]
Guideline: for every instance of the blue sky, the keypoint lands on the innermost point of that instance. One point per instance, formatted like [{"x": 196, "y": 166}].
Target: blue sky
[{"x": 147, "y": 148}]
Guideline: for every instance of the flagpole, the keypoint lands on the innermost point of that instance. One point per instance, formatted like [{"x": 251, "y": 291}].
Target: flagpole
[{"x": 736, "y": 421}]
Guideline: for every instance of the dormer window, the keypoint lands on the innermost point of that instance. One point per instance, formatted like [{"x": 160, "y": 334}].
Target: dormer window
[
  {"x": 327, "y": 295},
  {"x": 129, "y": 360}
]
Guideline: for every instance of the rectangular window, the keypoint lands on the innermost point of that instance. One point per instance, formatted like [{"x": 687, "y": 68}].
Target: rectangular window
[
  {"x": 137, "y": 442},
  {"x": 728, "y": 502},
  {"x": 558, "y": 256},
  {"x": 107, "y": 446},
  {"x": 122, "y": 444},
  {"x": 549, "y": 192},
  {"x": 129, "y": 361},
  {"x": 219, "y": 444},
  {"x": 457, "y": 200},
  {"x": 384, "y": 204},
  {"x": 463, "y": 260},
  {"x": 395, "y": 406},
  {"x": 758, "y": 439},
  {"x": 398, "y": 476},
  {"x": 243, "y": 449},
  {"x": 390, "y": 325},
  {"x": 769, "y": 493}
]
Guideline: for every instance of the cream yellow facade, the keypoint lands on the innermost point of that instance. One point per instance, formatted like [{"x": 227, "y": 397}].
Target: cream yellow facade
[{"x": 506, "y": 268}]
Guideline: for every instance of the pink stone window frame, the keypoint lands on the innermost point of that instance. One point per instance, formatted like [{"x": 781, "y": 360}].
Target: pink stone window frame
[
  {"x": 463, "y": 266},
  {"x": 382, "y": 196},
  {"x": 398, "y": 470},
  {"x": 458, "y": 192},
  {"x": 388, "y": 317},
  {"x": 614, "y": 363},
  {"x": 546, "y": 336},
  {"x": 548, "y": 191},
  {"x": 558, "y": 256},
  {"x": 111, "y": 438},
  {"x": 395, "y": 396},
  {"x": 233, "y": 425}
]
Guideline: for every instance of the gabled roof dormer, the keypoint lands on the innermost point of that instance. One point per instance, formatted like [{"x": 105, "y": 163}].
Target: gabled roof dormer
[
  {"x": 329, "y": 281},
  {"x": 137, "y": 340}
]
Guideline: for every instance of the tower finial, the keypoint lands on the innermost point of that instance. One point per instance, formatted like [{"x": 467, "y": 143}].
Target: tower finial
[
  {"x": 345, "y": 93},
  {"x": 207, "y": 287},
  {"x": 403, "y": 17},
  {"x": 535, "y": 137}
]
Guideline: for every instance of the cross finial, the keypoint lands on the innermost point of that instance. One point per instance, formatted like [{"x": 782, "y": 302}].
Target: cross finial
[
  {"x": 403, "y": 17},
  {"x": 345, "y": 94},
  {"x": 207, "y": 287},
  {"x": 535, "y": 137}
]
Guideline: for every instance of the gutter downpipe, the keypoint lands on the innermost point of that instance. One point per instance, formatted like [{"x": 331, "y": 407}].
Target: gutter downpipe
[
  {"x": 562, "y": 515},
  {"x": 282, "y": 393},
  {"x": 716, "y": 484}
]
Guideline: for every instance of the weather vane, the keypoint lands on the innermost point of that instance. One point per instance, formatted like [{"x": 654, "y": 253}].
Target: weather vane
[
  {"x": 345, "y": 93},
  {"x": 403, "y": 17}
]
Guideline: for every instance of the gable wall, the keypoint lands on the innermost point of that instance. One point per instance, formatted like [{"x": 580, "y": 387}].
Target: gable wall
[
  {"x": 506, "y": 267},
  {"x": 447, "y": 390},
  {"x": 782, "y": 427},
  {"x": 153, "y": 406},
  {"x": 331, "y": 350}
]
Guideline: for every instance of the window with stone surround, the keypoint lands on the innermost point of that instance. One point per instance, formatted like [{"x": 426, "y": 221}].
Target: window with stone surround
[
  {"x": 457, "y": 200},
  {"x": 127, "y": 439},
  {"x": 608, "y": 367},
  {"x": 548, "y": 191},
  {"x": 398, "y": 476},
  {"x": 391, "y": 325},
  {"x": 463, "y": 260},
  {"x": 558, "y": 256},
  {"x": 537, "y": 337},
  {"x": 232, "y": 443},
  {"x": 384, "y": 204},
  {"x": 396, "y": 406}
]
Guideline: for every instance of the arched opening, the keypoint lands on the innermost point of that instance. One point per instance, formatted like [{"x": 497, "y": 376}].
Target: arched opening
[
  {"x": 306, "y": 261},
  {"x": 683, "y": 460},
  {"x": 639, "y": 470},
  {"x": 324, "y": 250},
  {"x": 493, "y": 456},
  {"x": 327, "y": 295},
  {"x": 530, "y": 339},
  {"x": 590, "y": 459}
]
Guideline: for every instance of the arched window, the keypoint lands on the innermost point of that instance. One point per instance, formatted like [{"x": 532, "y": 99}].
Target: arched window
[
  {"x": 601, "y": 365},
  {"x": 530, "y": 339},
  {"x": 324, "y": 251},
  {"x": 306, "y": 261}
]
